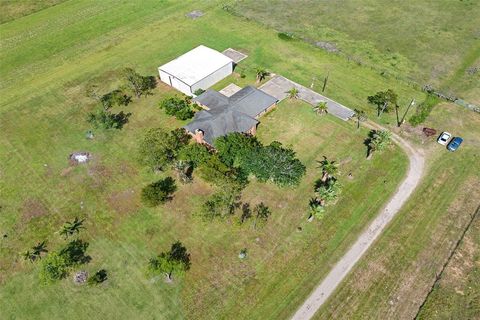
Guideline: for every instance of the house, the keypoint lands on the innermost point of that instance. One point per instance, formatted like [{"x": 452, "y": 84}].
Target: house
[
  {"x": 199, "y": 68},
  {"x": 223, "y": 115}
]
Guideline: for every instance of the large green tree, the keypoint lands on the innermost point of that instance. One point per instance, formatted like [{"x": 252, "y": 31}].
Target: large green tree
[
  {"x": 382, "y": 100},
  {"x": 173, "y": 262},
  {"x": 160, "y": 148},
  {"x": 158, "y": 192},
  {"x": 138, "y": 84}
]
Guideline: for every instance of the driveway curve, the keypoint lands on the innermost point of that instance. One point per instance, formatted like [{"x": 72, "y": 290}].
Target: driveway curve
[{"x": 340, "y": 270}]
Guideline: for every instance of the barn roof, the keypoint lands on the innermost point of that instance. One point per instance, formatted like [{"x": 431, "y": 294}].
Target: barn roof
[{"x": 196, "y": 64}]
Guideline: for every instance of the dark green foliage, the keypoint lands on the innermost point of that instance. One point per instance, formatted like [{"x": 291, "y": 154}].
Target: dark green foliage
[
  {"x": 195, "y": 153},
  {"x": 115, "y": 98},
  {"x": 218, "y": 173},
  {"x": 74, "y": 253},
  {"x": 99, "y": 277},
  {"x": 235, "y": 148},
  {"x": 160, "y": 148},
  {"x": 104, "y": 119},
  {"x": 138, "y": 84},
  {"x": 246, "y": 213},
  {"x": 423, "y": 110},
  {"x": 180, "y": 108},
  {"x": 158, "y": 192},
  {"x": 57, "y": 265},
  {"x": 176, "y": 261},
  {"x": 71, "y": 228},
  {"x": 54, "y": 267},
  {"x": 184, "y": 170},
  {"x": 268, "y": 163},
  {"x": 285, "y": 36},
  {"x": 377, "y": 140},
  {"x": 277, "y": 164},
  {"x": 199, "y": 92},
  {"x": 382, "y": 100}
]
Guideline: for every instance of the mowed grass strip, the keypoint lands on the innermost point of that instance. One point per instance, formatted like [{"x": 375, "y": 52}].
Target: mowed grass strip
[{"x": 43, "y": 111}]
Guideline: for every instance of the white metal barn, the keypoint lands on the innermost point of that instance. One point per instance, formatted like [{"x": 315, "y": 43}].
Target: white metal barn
[{"x": 199, "y": 68}]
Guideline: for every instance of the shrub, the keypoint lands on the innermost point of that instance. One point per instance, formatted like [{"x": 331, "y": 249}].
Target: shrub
[
  {"x": 180, "y": 108},
  {"x": 104, "y": 119},
  {"x": 54, "y": 267},
  {"x": 158, "y": 192},
  {"x": 138, "y": 84},
  {"x": 221, "y": 204},
  {"x": 423, "y": 110},
  {"x": 199, "y": 91},
  {"x": 115, "y": 98},
  {"x": 99, "y": 277},
  {"x": 285, "y": 36}
]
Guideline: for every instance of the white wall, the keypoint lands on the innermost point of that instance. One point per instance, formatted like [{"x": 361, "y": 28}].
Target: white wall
[
  {"x": 213, "y": 78},
  {"x": 174, "y": 82}
]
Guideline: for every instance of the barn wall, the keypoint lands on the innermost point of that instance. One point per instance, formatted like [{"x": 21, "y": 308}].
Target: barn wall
[
  {"x": 213, "y": 78},
  {"x": 177, "y": 84}
]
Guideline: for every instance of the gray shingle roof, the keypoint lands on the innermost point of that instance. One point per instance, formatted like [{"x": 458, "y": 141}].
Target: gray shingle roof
[{"x": 229, "y": 114}]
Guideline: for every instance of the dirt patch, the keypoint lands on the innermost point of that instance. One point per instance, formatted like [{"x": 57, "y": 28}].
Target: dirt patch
[
  {"x": 33, "y": 208},
  {"x": 65, "y": 172},
  {"x": 124, "y": 202},
  {"x": 99, "y": 174}
]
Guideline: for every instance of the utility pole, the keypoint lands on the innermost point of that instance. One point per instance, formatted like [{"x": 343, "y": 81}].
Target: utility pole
[
  {"x": 406, "y": 111},
  {"x": 325, "y": 81},
  {"x": 396, "y": 112}
]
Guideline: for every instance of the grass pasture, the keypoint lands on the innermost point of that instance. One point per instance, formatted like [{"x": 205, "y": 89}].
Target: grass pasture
[
  {"x": 394, "y": 277},
  {"x": 425, "y": 41},
  {"x": 47, "y": 59}
]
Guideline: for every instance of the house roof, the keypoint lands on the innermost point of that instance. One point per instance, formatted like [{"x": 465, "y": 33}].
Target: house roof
[
  {"x": 229, "y": 114},
  {"x": 220, "y": 123},
  {"x": 196, "y": 64}
]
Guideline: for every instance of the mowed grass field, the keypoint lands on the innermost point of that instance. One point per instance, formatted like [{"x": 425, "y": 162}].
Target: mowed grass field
[
  {"x": 50, "y": 57},
  {"x": 395, "y": 276},
  {"x": 429, "y": 42},
  {"x": 14, "y": 9}
]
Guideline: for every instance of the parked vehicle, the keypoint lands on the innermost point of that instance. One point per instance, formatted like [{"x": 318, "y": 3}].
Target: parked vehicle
[
  {"x": 454, "y": 144},
  {"x": 443, "y": 138}
]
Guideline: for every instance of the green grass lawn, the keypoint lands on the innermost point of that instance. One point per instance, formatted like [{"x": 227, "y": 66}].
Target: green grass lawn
[
  {"x": 426, "y": 41},
  {"x": 14, "y": 9},
  {"x": 48, "y": 58},
  {"x": 394, "y": 277}
]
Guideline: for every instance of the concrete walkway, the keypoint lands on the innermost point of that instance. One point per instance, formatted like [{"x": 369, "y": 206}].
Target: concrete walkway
[
  {"x": 278, "y": 87},
  {"x": 366, "y": 239}
]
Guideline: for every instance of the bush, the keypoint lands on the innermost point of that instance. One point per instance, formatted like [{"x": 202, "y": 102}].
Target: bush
[
  {"x": 54, "y": 267},
  {"x": 74, "y": 253},
  {"x": 285, "y": 36},
  {"x": 180, "y": 108},
  {"x": 423, "y": 110},
  {"x": 158, "y": 192},
  {"x": 104, "y": 119},
  {"x": 99, "y": 277},
  {"x": 221, "y": 204},
  {"x": 199, "y": 92},
  {"x": 115, "y": 98}
]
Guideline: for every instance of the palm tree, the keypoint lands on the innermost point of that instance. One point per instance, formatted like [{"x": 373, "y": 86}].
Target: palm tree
[
  {"x": 328, "y": 191},
  {"x": 379, "y": 140},
  {"x": 261, "y": 74},
  {"x": 321, "y": 108},
  {"x": 316, "y": 209},
  {"x": 27, "y": 255},
  {"x": 71, "y": 228},
  {"x": 39, "y": 249},
  {"x": 293, "y": 93},
  {"x": 329, "y": 168},
  {"x": 360, "y": 116}
]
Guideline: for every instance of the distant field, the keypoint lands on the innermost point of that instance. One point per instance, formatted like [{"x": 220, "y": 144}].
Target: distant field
[
  {"x": 394, "y": 277},
  {"x": 46, "y": 62},
  {"x": 432, "y": 41},
  {"x": 13, "y": 9}
]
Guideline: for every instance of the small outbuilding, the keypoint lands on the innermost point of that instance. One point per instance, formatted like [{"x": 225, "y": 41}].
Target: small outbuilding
[{"x": 199, "y": 68}]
